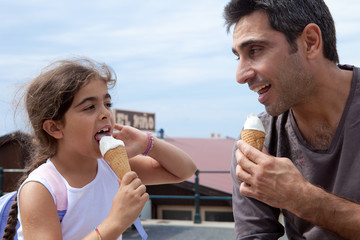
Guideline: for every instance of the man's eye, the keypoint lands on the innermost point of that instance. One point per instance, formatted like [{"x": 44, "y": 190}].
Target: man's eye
[{"x": 254, "y": 50}]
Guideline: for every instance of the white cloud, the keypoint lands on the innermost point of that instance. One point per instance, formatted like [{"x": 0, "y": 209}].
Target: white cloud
[{"x": 171, "y": 57}]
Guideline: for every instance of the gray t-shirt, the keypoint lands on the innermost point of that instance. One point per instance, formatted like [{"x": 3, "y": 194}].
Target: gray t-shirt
[{"x": 337, "y": 170}]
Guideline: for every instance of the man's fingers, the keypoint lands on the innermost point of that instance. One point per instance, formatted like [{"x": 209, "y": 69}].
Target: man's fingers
[
  {"x": 246, "y": 189},
  {"x": 238, "y": 155},
  {"x": 244, "y": 162},
  {"x": 250, "y": 152},
  {"x": 242, "y": 174}
]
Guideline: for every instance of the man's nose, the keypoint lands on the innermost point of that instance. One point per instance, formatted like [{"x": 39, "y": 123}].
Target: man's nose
[{"x": 244, "y": 72}]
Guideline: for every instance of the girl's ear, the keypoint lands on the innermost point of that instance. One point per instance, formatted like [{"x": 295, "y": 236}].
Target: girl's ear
[{"x": 53, "y": 128}]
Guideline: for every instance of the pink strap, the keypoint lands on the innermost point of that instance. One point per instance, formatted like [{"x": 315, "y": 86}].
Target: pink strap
[{"x": 57, "y": 185}]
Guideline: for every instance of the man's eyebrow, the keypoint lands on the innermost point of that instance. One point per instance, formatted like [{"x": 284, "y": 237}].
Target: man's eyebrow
[
  {"x": 234, "y": 51},
  {"x": 249, "y": 42},
  {"x": 106, "y": 96}
]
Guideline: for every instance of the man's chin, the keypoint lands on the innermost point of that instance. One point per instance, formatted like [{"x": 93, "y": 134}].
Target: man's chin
[{"x": 274, "y": 111}]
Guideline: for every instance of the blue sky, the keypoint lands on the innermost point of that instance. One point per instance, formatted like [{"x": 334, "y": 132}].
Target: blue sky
[{"x": 172, "y": 58}]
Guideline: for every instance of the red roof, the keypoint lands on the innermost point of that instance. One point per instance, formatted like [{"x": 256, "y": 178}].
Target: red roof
[{"x": 209, "y": 154}]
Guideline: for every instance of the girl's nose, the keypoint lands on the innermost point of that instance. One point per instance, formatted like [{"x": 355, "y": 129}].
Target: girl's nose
[{"x": 104, "y": 114}]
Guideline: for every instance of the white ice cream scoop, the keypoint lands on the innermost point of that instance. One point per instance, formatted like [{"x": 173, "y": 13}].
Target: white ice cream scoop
[
  {"x": 254, "y": 123},
  {"x": 108, "y": 142}
]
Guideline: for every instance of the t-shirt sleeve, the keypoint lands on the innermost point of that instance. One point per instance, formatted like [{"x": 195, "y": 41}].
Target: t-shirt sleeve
[{"x": 253, "y": 219}]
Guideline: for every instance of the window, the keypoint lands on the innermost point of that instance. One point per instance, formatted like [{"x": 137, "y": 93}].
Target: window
[
  {"x": 219, "y": 216},
  {"x": 177, "y": 214},
  {"x": 207, "y": 213}
]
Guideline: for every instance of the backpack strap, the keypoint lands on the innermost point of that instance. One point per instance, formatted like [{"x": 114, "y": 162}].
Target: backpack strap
[
  {"x": 57, "y": 186},
  {"x": 5, "y": 205},
  {"x": 139, "y": 227}
]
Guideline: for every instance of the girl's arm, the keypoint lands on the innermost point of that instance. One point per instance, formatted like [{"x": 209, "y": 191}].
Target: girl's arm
[
  {"x": 126, "y": 208},
  {"x": 165, "y": 162},
  {"x": 39, "y": 218}
]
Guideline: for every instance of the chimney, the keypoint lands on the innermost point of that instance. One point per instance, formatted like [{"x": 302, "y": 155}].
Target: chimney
[{"x": 161, "y": 133}]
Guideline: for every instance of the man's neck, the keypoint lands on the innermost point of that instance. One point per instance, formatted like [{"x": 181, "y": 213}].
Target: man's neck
[{"x": 319, "y": 117}]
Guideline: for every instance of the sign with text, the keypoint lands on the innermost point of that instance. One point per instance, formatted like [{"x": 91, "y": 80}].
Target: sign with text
[{"x": 140, "y": 120}]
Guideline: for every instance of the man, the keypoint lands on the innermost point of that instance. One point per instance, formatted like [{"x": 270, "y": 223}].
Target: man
[{"x": 310, "y": 166}]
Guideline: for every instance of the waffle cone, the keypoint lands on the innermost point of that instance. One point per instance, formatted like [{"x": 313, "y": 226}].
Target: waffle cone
[
  {"x": 255, "y": 138},
  {"x": 118, "y": 160}
]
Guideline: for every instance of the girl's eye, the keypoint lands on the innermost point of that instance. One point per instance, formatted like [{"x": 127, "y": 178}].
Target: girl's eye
[
  {"x": 108, "y": 105},
  {"x": 90, "y": 107}
]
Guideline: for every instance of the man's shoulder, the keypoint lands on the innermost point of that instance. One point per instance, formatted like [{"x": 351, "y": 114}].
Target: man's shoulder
[
  {"x": 274, "y": 121},
  {"x": 264, "y": 116},
  {"x": 279, "y": 133}
]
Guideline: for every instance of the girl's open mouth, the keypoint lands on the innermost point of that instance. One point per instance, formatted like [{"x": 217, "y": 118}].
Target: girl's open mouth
[{"x": 103, "y": 132}]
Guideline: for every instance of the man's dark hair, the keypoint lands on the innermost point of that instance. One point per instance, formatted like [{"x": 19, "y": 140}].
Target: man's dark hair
[{"x": 289, "y": 17}]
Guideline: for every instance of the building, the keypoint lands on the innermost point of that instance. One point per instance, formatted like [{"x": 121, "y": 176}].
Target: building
[
  {"x": 213, "y": 158},
  {"x": 211, "y": 155},
  {"x": 14, "y": 154}
]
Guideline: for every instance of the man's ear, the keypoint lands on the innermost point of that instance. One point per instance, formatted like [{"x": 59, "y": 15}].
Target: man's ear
[
  {"x": 312, "y": 40},
  {"x": 53, "y": 128}
]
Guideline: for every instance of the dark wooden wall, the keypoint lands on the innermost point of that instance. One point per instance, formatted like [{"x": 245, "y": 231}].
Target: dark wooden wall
[{"x": 14, "y": 154}]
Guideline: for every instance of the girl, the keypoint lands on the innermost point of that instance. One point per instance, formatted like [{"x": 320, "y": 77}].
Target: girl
[{"x": 69, "y": 108}]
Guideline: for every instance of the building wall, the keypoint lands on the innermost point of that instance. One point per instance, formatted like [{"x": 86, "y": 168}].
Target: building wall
[
  {"x": 207, "y": 213},
  {"x": 184, "y": 209},
  {"x": 14, "y": 154}
]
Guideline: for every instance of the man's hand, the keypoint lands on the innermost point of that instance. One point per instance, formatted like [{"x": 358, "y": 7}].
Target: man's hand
[
  {"x": 278, "y": 183},
  {"x": 274, "y": 181}
]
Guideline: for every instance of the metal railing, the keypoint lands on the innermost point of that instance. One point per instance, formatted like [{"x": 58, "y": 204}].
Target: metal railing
[{"x": 196, "y": 197}]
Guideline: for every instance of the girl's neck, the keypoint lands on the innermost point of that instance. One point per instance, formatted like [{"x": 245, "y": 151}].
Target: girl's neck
[{"x": 77, "y": 172}]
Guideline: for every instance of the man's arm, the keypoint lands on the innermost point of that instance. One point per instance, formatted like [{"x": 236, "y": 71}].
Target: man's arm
[
  {"x": 335, "y": 214},
  {"x": 253, "y": 219},
  {"x": 278, "y": 183}
]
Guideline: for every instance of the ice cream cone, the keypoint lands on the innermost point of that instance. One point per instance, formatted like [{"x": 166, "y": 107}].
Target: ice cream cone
[
  {"x": 255, "y": 138},
  {"x": 118, "y": 160},
  {"x": 114, "y": 153},
  {"x": 253, "y": 132}
]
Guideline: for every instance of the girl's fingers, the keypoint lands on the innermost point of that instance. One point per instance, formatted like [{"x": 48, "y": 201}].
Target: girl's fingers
[{"x": 129, "y": 177}]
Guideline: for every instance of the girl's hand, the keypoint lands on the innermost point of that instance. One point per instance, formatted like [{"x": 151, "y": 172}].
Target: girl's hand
[
  {"x": 126, "y": 207},
  {"x": 135, "y": 140},
  {"x": 165, "y": 163},
  {"x": 129, "y": 200}
]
